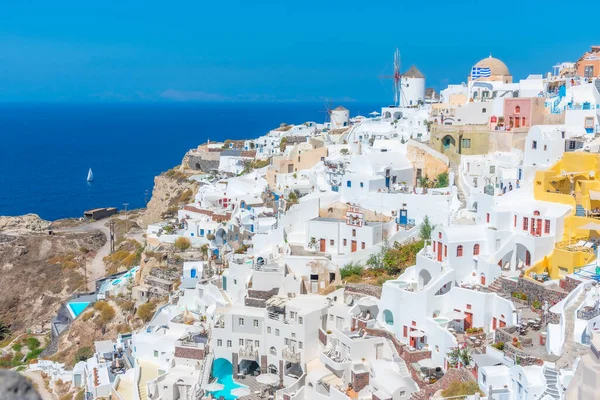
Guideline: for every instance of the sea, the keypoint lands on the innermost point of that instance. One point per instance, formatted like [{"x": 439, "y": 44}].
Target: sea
[{"x": 46, "y": 150}]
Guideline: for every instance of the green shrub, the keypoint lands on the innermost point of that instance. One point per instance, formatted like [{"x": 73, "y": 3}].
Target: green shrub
[
  {"x": 17, "y": 347},
  {"x": 351, "y": 269},
  {"x": 182, "y": 243},
  {"x": 33, "y": 354},
  {"x": 537, "y": 305},
  {"x": 82, "y": 354},
  {"x": 146, "y": 311},
  {"x": 458, "y": 388},
  {"x": 32, "y": 343},
  {"x": 498, "y": 346}
]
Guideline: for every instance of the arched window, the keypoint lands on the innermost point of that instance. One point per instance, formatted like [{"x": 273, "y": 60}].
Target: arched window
[
  {"x": 388, "y": 317},
  {"x": 272, "y": 369},
  {"x": 536, "y": 213},
  {"x": 273, "y": 350},
  {"x": 517, "y": 109},
  {"x": 459, "y": 250},
  {"x": 476, "y": 249}
]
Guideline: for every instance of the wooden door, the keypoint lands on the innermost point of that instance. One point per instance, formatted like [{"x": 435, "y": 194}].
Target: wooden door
[
  {"x": 439, "y": 251},
  {"x": 413, "y": 342},
  {"x": 482, "y": 280},
  {"x": 353, "y": 246},
  {"x": 494, "y": 322},
  {"x": 322, "y": 246},
  {"x": 468, "y": 320},
  {"x": 527, "y": 258},
  {"x": 538, "y": 227}
]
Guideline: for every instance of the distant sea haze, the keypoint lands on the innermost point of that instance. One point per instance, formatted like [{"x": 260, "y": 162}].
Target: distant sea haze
[{"x": 47, "y": 149}]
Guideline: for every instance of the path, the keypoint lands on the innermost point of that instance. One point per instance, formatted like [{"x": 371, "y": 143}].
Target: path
[
  {"x": 571, "y": 350},
  {"x": 40, "y": 385},
  {"x": 95, "y": 269}
]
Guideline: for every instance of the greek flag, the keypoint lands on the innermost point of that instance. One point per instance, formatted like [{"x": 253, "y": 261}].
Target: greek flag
[{"x": 478, "y": 72}]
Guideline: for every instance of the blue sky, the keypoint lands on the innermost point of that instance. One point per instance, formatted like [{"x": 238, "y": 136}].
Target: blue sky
[{"x": 132, "y": 50}]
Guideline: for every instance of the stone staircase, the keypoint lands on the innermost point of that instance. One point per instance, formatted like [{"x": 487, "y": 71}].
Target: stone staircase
[
  {"x": 496, "y": 287},
  {"x": 551, "y": 376},
  {"x": 142, "y": 390},
  {"x": 571, "y": 350}
]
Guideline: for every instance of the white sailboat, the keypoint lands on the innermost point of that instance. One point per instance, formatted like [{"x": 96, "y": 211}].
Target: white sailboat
[{"x": 90, "y": 176}]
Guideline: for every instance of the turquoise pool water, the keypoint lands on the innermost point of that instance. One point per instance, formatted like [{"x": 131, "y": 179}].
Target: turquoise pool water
[
  {"x": 77, "y": 307},
  {"x": 222, "y": 370}
]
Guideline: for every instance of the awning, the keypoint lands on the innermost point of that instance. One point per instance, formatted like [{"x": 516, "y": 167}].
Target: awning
[
  {"x": 591, "y": 226},
  {"x": 417, "y": 334},
  {"x": 594, "y": 195}
]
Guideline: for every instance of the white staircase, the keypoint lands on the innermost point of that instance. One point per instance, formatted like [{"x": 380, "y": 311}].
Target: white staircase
[
  {"x": 551, "y": 376},
  {"x": 571, "y": 350}
]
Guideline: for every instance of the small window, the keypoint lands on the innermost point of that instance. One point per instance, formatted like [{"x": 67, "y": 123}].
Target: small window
[
  {"x": 256, "y": 343},
  {"x": 256, "y": 323},
  {"x": 589, "y": 123},
  {"x": 534, "y": 144},
  {"x": 445, "y": 251},
  {"x": 545, "y": 147},
  {"x": 492, "y": 169},
  {"x": 155, "y": 353},
  {"x": 300, "y": 345},
  {"x": 440, "y": 235},
  {"x": 353, "y": 232},
  {"x": 219, "y": 343},
  {"x": 459, "y": 250},
  {"x": 331, "y": 242},
  {"x": 547, "y": 226},
  {"x": 362, "y": 184},
  {"x": 476, "y": 249},
  {"x": 345, "y": 242},
  {"x": 300, "y": 320},
  {"x": 293, "y": 334},
  {"x": 362, "y": 245},
  {"x": 241, "y": 321},
  {"x": 484, "y": 110},
  {"x": 515, "y": 221},
  {"x": 349, "y": 184},
  {"x": 487, "y": 218},
  {"x": 571, "y": 145},
  {"x": 268, "y": 329},
  {"x": 276, "y": 332},
  {"x": 466, "y": 143},
  {"x": 241, "y": 342},
  {"x": 517, "y": 110},
  {"x": 525, "y": 223},
  {"x": 229, "y": 344},
  {"x": 287, "y": 341}
]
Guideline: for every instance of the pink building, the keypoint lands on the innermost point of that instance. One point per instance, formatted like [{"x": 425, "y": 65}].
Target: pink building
[{"x": 522, "y": 113}]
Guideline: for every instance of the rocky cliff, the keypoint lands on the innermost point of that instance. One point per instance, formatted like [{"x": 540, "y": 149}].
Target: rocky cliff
[
  {"x": 23, "y": 224},
  {"x": 171, "y": 190}
]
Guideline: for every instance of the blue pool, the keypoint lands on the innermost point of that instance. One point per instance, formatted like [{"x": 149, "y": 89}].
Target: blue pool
[
  {"x": 77, "y": 307},
  {"x": 222, "y": 370}
]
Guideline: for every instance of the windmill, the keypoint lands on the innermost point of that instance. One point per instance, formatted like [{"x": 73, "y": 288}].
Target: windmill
[
  {"x": 397, "y": 79},
  {"x": 331, "y": 117}
]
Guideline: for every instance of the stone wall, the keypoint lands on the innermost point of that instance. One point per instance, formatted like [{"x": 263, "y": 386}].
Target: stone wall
[
  {"x": 453, "y": 374},
  {"x": 568, "y": 284},
  {"x": 359, "y": 380},
  {"x": 202, "y": 162},
  {"x": 363, "y": 289},
  {"x": 534, "y": 290}
]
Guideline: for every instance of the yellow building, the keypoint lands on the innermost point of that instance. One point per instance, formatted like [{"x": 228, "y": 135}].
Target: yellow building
[{"x": 572, "y": 181}]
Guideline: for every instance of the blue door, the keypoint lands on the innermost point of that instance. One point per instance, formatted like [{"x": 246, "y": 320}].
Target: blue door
[
  {"x": 193, "y": 273},
  {"x": 224, "y": 283}
]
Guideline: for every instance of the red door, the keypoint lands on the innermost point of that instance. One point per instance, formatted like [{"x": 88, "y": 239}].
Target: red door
[
  {"x": 482, "y": 280},
  {"x": 538, "y": 227},
  {"x": 502, "y": 324},
  {"x": 353, "y": 246},
  {"x": 468, "y": 320},
  {"x": 527, "y": 258},
  {"x": 439, "y": 251},
  {"x": 494, "y": 322},
  {"x": 413, "y": 341},
  {"x": 322, "y": 246}
]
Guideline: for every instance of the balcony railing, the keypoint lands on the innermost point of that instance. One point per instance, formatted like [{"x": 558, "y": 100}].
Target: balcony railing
[
  {"x": 291, "y": 355},
  {"x": 248, "y": 353}
]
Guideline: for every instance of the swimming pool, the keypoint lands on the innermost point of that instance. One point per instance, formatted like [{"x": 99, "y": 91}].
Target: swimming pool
[
  {"x": 222, "y": 370},
  {"x": 77, "y": 307}
]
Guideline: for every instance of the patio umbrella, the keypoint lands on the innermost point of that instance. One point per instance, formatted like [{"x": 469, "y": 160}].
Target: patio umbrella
[
  {"x": 213, "y": 387},
  {"x": 456, "y": 315},
  {"x": 428, "y": 363},
  {"x": 240, "y": 392},
  {"x": 417, "y": 334},
  {"x": 267, "y": 379}
]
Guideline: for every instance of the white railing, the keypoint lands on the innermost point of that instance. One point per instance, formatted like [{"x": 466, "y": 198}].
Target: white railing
[{"x": 291, "y": 355}]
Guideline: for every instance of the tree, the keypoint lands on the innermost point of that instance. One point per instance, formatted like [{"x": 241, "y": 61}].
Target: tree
[
  {"x": 442, "y": 180},
  {"x": 426, "y": 229},
  {"x": 344, "y": 151},
  {"x": 182, "y": 243},
  {"x": 459, "y": 355},
  {"x": 282, "y": 144},
  {"x": 424, "y": 182}
]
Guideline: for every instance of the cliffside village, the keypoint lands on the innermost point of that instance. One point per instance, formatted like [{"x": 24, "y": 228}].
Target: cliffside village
[{"x": 297, "y": 296}]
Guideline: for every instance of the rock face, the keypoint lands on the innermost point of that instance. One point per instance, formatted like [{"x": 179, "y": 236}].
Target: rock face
[
  {"x": 166, "y": 196},
  {"x": 14, "y": 386},
  {"x": 23, "y": 224}
]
